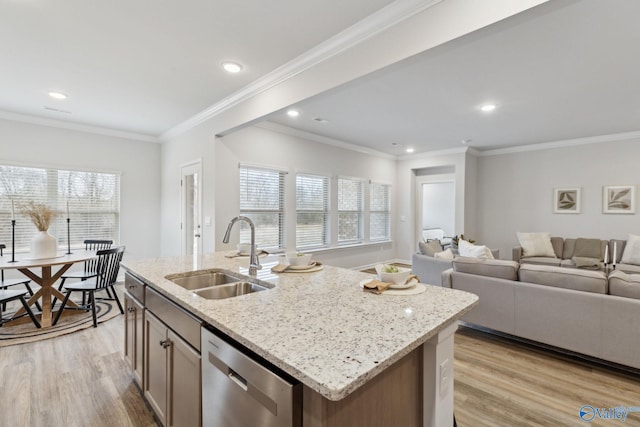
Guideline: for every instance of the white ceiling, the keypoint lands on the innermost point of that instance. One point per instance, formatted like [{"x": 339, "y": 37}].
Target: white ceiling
[
  {"x": 560, "y": 71},
  {"x": 144, "y": 66}
]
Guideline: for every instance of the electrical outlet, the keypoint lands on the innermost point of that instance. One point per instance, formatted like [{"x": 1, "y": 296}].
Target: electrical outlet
[{"x": 445, "y": 375}]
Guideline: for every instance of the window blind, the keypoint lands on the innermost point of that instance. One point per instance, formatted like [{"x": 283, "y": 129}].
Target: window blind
[
  {"x": 379, "y": 212},
  {"x": 350, "y": 210},
  {"x": 262, "y": 200},
  {"x": 312, "y": 211},
  {"x": 93, "y": 199}
]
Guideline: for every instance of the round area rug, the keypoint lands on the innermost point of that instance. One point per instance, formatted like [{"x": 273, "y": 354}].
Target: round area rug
[{"x": 23, "y": 330}]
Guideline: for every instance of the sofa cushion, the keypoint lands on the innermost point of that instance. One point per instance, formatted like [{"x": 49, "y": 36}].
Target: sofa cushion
[
  {"x": 628, "y": 268},
  {"x": 541, "y": 260},
  {"x": 624, "y": 285},
  {"x": 561, "y": 277},
  {"x": 430, "y": 248},
  {"x": 468, "y": 249},
  {"x": 536, "y": 244},
  {"x": 446, "y": 254},
  {"x": 501, "y": 269},
  {"x": 585, "y": 248},
  {"x": 631, "y": 254}
]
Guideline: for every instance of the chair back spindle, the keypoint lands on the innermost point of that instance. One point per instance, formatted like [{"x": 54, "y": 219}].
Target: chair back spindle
[{"x": 91, "y": 266}]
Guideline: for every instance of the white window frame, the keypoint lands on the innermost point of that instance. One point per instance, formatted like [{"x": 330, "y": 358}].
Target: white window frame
[
  {"x": 387, "y": 211},
  {"x": 253, "y": 212},
  {"x": 325, "y": 212},
  {"x": 97, "y": 219},
  {"x": 360, "y": 211}
]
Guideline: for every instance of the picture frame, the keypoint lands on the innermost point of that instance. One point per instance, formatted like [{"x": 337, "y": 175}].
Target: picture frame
[
  {"x": 619, "y": 199},
  {"x": 567, "y": 200}
]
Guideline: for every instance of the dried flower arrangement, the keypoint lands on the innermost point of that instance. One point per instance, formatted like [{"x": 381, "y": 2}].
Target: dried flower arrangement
[{"x": 39, "y": 213}]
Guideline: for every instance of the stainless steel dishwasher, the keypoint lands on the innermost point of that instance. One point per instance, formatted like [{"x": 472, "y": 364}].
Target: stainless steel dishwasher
[{"x": 237, "y": 391}]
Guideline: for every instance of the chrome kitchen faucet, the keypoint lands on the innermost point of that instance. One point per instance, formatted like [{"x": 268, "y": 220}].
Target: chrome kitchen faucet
[{"x": 254, "y": 262}]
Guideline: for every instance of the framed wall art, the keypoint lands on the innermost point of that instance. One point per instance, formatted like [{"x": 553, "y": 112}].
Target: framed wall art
[
  {"x": 619, "y": 199},
  {"x": 567, "y": 200}
]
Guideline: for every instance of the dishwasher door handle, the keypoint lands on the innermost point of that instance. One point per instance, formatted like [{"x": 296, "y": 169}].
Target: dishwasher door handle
[{"x": 241, "y": 382}]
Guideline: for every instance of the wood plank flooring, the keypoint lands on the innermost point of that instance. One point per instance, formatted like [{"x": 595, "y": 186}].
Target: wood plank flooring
[
  {"x": 499, "y": 382},
  {"x": 82, "y": 380}
]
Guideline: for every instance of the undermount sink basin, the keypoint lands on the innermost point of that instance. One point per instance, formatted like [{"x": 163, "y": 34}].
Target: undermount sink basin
[
  {"x": 203, "y": 279},
  {"x": 229, "y": 290},
  {"x": 217, "y": 283}
]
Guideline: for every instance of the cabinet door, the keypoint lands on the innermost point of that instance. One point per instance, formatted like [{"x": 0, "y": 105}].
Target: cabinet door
[
  {"x": 184, "y": 385},
  {"x": 155, "y": 358},
  {"x": 129, "y": 331},
  {"x": 138, "y": 342}
]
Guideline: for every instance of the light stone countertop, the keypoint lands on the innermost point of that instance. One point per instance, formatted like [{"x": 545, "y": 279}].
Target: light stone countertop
[{"x": 321, "y": 328}]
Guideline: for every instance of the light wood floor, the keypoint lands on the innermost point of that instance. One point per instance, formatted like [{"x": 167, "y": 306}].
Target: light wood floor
[
  {"x": 81, "y": 380},
  {"x": 500, "y": 382}
]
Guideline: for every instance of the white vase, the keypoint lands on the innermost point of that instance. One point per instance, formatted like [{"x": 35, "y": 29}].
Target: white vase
[{"x": 43, "y": 245}]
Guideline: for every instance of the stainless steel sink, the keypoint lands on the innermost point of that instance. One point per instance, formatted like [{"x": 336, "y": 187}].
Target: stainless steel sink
[
  {"x": 217, "y": 283},
  {"x": 203, "y": 279},
  {"x": 229, "y": 290}
]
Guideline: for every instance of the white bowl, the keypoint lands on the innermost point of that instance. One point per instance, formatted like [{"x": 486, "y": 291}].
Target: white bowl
[
  {"x": 398, "y": 278},
  {"x": 296, "y": 259},
  {"x": 244, "y": 248}
]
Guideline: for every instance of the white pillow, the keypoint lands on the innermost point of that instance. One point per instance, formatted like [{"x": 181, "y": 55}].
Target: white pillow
[
  {"x": 448, "y": 254},
  {"x": 536, "y": 244},
  {"x": 631, "y": 254},
  {"x": 474, "y": 251}
]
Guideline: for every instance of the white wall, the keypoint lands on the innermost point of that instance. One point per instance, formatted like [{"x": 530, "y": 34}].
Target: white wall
[
  {"x": 260, "y": 146},
  {"x": 138, "y": 162},
  {"x": 515, "y": 192}
]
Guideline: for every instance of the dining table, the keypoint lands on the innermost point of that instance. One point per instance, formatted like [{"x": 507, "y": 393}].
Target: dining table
[{"x": 41, "y": 271}]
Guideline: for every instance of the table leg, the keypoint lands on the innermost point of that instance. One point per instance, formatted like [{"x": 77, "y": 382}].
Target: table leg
[{"x": 46, "y": 291}]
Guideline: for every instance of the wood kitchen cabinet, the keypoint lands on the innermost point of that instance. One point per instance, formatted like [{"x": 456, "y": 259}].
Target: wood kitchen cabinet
[
  {"x": 172, "y": 375},
  {"x": 134, "y": 336}
]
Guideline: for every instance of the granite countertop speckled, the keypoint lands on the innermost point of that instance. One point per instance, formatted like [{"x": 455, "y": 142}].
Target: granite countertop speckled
[{"x": 321, "y": 328}]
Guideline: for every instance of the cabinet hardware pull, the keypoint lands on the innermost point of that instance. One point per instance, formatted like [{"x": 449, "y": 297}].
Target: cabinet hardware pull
[
  {"x": 165, "y": 343},
  {"x": 131, "y": 309}
]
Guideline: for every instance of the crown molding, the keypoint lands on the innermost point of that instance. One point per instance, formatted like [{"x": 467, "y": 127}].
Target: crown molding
[
  {"x": 42, "y": 121},
  {"x": 563, "y": 143},
  {"x": 370, "y": 26},
  {"x": 275, "y": 127}
]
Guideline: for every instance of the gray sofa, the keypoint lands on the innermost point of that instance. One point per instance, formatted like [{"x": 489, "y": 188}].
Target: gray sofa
[
  {"x": 565, "y": 250},
  {"x": 429, "y": 269},
  {"x": 579, "y": 310}
]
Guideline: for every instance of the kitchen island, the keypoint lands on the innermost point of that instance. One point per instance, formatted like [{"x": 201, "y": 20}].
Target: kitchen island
[{"x": 362, "y": 358}]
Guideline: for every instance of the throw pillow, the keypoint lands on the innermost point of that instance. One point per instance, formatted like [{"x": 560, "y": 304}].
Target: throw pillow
[
  {"x": 536, "y": 244},
  {"x": 448, "y": 254},
  {"x": 430, "y": 248},
  {"x": 474, "y": 251},
  {"x": 631, "y": 254}
]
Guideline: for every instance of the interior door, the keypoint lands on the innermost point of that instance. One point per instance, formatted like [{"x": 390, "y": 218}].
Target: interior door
[
  {"x": 435, "y": 200},
  {"x": 191, "y": 212}
]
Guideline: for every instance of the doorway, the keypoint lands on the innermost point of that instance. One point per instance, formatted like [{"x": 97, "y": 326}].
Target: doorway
[
  {"x": 190, "y": 212},
  {"x": 436, "y": 202}
]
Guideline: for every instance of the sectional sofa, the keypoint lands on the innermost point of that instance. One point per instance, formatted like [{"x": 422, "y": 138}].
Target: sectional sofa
[{"x": 595, "y": 313}]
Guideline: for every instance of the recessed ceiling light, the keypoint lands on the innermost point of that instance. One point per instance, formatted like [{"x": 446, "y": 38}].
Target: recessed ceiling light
[
  {"x": 320, "y": 120},
  {"x": 466, "y": 141},
  {"x": 232, "y": 67},
  {"x": 57, "y": 95},
  {"x": 293, "y": 113},
  {"x": 488, "y": 107},
  {"x": 410, "y": 150}
]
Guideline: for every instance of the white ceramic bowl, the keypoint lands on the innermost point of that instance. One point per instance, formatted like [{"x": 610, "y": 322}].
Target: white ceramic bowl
[
  {"x": 244, "y": 248},
  {"x": 398, "y": 278},
  {"x": 296, "y": 259}
]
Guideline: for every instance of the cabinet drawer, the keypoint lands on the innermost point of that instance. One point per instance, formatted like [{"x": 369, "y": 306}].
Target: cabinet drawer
[
  {"x": 183, "y": 323},
  {"x": 134, "y": 286}
]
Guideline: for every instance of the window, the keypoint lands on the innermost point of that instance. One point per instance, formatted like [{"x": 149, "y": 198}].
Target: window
[
  {"x": 379, "y": 212},
  {"x": 262, "y": 200},
  {"x": 350, "y": 210},
  {"x": 93, "y": 200},
  {"x": 312, "y": 211}
]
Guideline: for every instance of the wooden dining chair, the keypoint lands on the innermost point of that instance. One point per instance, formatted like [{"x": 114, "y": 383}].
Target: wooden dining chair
[
  {"x": 108, "y": 266},
  {"x": 13, "y": 295},
  {"x": 90, "y": 266},
  {"x": 5, "y": 284}
]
